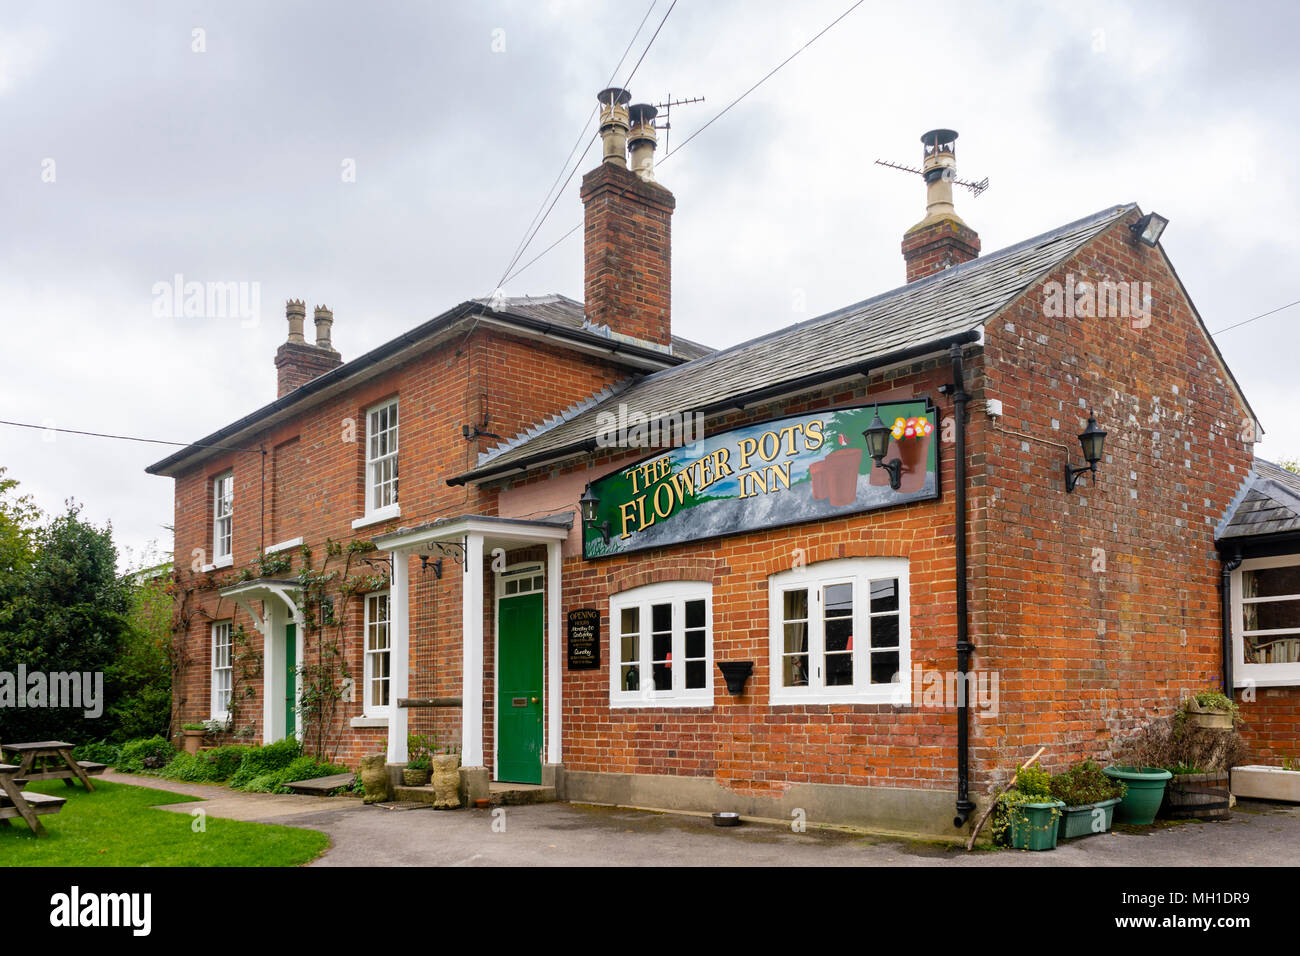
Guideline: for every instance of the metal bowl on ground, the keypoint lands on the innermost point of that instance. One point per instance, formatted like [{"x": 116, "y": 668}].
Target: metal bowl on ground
[{"x": 725, "y": 818}]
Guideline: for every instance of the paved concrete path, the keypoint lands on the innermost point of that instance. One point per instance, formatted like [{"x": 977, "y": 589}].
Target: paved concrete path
[{"x": 558, "y": 834}]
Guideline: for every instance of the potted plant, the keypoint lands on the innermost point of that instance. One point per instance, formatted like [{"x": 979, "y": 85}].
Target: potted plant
[
  {"x": 446, "y": 779},
  {"x": 1028, "y": 816},
  {"x": 1210, "y": 710},
  {"x": 1145, "y": 790},
  {"x": 194, "y": 734},
  {"x": 416, "y": 771},
  {"x": 1200, "y": 761},
  {"x": 1090, "y": 798}
]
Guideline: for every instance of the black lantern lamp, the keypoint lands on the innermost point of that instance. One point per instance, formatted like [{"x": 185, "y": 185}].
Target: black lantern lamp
[
  {"x": 877, "y": 436},
  {"x": 1092, "y": 439},
  {"x": 1149, "y": 227},
  {"x": 590, "y": 502}
]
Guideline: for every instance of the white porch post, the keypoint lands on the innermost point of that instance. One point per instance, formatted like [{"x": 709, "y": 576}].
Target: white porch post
[
  {"x": 471, "y": 742},
  {"x": 399, "y": 629},
  {"x": 554, "y": 663},
  {"x": 273, "y": 669}
]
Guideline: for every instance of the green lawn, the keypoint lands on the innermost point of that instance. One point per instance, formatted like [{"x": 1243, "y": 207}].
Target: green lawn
[{"x": 114, "y": 826}]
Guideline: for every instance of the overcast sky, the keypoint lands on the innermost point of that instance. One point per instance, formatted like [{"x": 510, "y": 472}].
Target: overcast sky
[{"x": 129, "y": 156}]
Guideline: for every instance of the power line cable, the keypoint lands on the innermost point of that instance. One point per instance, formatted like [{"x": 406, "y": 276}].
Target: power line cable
[
  {"x": 1253, "y": 318},
  {"x": 151, "y": 441}
]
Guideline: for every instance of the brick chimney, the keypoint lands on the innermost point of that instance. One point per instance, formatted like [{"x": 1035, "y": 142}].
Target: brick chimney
[
  {"x": 627, "y": 229},
  {"x": 297, "y": 361},
  {"x": 941, "y": 239}
]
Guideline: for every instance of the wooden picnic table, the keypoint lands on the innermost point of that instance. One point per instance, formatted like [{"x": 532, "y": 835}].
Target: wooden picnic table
[
  {"x": 14, "y": 802},
  {"x": 38, "y": 756}
]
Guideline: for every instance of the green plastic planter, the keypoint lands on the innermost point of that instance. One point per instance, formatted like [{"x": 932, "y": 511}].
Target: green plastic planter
[
  {"x": 1078, "y": 821},
  {"x": 1146, "y": 790},
  {"x": 1035, "y": 826}
]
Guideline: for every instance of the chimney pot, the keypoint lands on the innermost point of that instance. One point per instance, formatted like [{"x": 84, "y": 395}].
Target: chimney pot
[
  {"x": 295, "y": 310},
  {"x": 642, "y": 139},
  {"x": 941, "y": 239},
  {"x": 324, "y": 319},
  {"x": 614, "y": 125}
]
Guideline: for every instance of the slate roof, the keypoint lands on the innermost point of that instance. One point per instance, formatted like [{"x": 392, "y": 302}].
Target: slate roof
[
  {"x": 929, "y": 311},
  {"x": 1269, "y": 503}
]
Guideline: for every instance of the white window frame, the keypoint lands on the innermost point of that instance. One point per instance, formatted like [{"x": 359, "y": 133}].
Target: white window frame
[
  {"x": 369, "y": 707},
  {"x": 381, "y": 512},
  {"x": 676, "y": 593},
  {"x": 222, "y": 634},
  {"x": 815, "y": 578},
  {"x": 223, "y": 518},
  {"x": 1247, "y": 674}
]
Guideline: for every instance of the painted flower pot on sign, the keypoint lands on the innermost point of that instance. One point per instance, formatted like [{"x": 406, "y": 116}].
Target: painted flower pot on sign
[
  {"x": 915, "y": 454},
  {"x": 817, "y": 471},
  {"x": 840, "y": 469},
  {"x": 1146, "y": 790}
]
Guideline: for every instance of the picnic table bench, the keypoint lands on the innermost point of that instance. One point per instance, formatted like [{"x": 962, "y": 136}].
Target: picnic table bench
[
  {"x": 52, "y": 760},
  {"x": 15, "y": 802}
]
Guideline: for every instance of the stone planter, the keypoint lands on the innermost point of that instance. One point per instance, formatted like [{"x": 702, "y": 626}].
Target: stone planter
[
  {"x": 415, "y": 776},
  {"x": 446, "y": 781},
  {"x": 193, "y": 740},
  {"x": 374, "y": 777},
  {"x": 1208, "y": 717},
  {"x": 1266, "y": 783},
  {"x": 1200, "y": 796}
]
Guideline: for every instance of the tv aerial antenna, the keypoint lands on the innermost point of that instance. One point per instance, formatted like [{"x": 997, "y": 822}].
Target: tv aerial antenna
[
  {"x": 665, "y": 112},
  {"x": 974, "y": 187}
]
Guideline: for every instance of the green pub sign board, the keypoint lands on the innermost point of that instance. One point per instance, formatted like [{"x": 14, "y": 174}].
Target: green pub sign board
[{"x": 779, "y": 472}]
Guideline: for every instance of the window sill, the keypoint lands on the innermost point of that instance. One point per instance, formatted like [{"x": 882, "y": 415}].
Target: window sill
[
  {"x": 361, "y": 723},
  {"x": 285, "y": 545},
  {"x": 647, "y": 704},
  {"x": 375, "y": 517},
  {"x": 898, "y": 697},
  {"x": 227, "y": 562}
]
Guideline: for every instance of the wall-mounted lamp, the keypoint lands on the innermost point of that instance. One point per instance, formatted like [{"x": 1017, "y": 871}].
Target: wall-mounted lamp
[
  {"x": 590, "y": 502},
  {"x": 1149, "y": 228},
  {"x": 877, "y": 436},
  {"x": 1092, "y": 439}
]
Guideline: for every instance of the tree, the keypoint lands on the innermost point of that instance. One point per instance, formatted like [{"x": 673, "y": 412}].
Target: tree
[
  {"x": 1291, "y": 464},
  {"x": 18, "y": 526},
  {"x": 141, "y": 675}
]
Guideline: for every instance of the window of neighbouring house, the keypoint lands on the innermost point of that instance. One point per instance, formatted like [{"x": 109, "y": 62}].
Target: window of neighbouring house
[
  {"x": 381, "y": 459},
  {"x": 661, "y": 645},
  {"x": 378, "y": 659},
  {"x": 222, "y": 650},
  {"x": 223, "y": 506},
  {"x": 840, "y": 633},
  {"x": 1266, "y": 620}
]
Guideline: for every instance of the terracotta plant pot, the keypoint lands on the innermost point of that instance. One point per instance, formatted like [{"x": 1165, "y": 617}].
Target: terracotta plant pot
[
  {"x": 840, "y": 469},
  {"x": 193, "y": 739},
  {"x": 817, "y": 471},
  {"x": 915, "y": 454}
]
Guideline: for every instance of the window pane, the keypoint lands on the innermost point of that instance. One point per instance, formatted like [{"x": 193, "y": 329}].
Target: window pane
[
  {"x": 839, "y": 670},
  {"x": 694, "y": 614},
  {"x": 1271, "y": 582},
  {"x": 884, "y": 595},
  {"x": 661, "y": 617},
  {"x": 695, "y": 644},
  {"x": 695, "y": 674},
  {"x": 884, "y": 631},
  {"x": 1275, "y": 615},
  {"x": 796, "y": 638},
  {"x": 839, "y": 634},
  {"x": 839, "y": 599},
  {"x": 631, "y": 650},
  {"x": 631, "y": 678},
  {"x": 631, "y": 620},
  {"x": 884, "y": 668},
  {"x": 795, "y": 605},
  {"x": 794, "y": 670}
]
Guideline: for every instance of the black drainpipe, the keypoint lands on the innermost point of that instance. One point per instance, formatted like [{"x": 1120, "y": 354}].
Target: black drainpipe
[
  {"x": 1231, "y": 561},
  {"x": 964, "y": 647}
]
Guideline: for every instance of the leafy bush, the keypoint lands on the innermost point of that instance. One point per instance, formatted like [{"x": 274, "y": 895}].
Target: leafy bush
[
  {"x": 301, "y": 768},
  {"x": 226, "y": 760},
  {"x": 266, "y": 783},
  {"x": 1034, "y": 782},
  {"x": 1085, "y": 783},
  {"x": 99, "y": 752},
  {"x": 192, "y": 768},
  {"x": 1181, "y": 748},
  {"x": 150, "y": 753},
  {"x": 265, "y": 760}
]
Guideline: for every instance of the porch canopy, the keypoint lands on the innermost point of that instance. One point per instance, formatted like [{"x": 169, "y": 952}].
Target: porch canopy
[
  {"x": 280, "y": 608},
  {"x": 463, "y": 542}
]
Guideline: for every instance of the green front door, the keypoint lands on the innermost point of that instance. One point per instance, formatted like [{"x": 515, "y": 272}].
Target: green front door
[
  {"x": 519, "y": 689},
  {"x": 290, "y": 677}
]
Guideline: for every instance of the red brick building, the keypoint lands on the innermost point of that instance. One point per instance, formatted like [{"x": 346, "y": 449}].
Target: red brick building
[{"x": 846, "y": 595}]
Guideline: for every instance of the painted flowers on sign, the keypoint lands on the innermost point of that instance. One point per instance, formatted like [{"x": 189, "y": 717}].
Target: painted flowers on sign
[{"x": 764, "y": 475}]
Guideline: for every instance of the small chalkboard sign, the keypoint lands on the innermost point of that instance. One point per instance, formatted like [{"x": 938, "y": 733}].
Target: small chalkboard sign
[{"x": 584, "y": 639}]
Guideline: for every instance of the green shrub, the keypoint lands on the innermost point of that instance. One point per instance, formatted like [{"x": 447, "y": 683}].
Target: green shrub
[
  {"x": 151, "y": 753},
  {"x": 99, "y": 752},
  {"x": 265, "y": 760},
  {"x": 266, "y": 783},
  {"x": 1085, "y": 783},
  {"x": 1034, "y": 782},
  {"x": 192, "y": 768},
  {"x": 226, "y": 760}
]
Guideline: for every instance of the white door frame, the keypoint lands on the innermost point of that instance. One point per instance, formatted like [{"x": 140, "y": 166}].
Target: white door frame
[{"x": 535, "y": 567}]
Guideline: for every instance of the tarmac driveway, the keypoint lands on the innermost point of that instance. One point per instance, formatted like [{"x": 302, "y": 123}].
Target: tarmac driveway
[{"x": 558, "y": 834}]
